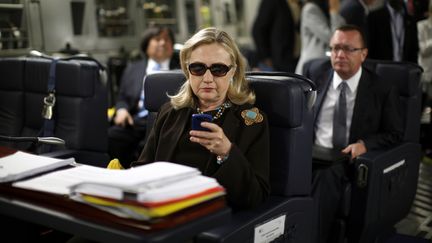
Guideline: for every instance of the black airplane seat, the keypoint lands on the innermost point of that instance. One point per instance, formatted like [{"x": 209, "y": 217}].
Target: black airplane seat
[
  {"x": 287, "y": 100},
  {"x": 384, "y": 182},
  {"x": 52, "y": 97}
]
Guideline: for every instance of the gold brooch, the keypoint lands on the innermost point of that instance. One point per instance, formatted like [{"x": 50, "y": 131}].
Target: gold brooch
[{"x": 252, "y": 116}]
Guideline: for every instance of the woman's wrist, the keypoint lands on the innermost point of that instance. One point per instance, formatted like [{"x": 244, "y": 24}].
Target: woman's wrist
[{"x": 220, "y": 158}]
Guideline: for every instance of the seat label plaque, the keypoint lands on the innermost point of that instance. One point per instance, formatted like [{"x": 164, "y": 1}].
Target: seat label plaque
[{"x": 270, "y": 230}]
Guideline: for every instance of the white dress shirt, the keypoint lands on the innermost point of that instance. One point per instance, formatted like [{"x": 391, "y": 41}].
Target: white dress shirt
[
  {"x": 153, "y": 66},
  {"x": 398, "y": 32},
  {"x": 324, "y": 125}
]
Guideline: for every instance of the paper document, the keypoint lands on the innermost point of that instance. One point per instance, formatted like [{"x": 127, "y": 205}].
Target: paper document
[
  {"x": 183, "y": 188},
  {"x": 59, "y": 182},
  {"x": 146, "y": 192},
  {"x": 147, "y": 176},
  {"x": 20, "y": 165}
]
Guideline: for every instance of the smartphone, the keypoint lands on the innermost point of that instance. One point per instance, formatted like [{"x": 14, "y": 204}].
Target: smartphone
[{"x": 198, "y": 118}]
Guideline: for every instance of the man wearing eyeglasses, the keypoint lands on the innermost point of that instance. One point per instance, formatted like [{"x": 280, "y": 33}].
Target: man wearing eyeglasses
[{"x": 356, "y": 111}]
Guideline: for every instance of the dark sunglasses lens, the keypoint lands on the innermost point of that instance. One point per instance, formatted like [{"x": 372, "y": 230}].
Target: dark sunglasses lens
[
  {"x": 219, "y": 70},
  {"x": 197, "y": 69}
]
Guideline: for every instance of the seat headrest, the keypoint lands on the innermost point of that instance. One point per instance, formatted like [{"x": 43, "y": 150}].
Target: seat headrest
[
  {"x": 277, "y": 94},
  {"x": 32, "y": 75},
  {"x": 158, "y": 85},
  {"x": 283, "y": 97},
  {"x": 12, "y": 69},
  {"x": 404, "y": 75},
  {"x": 71, "y": 80},
  {"x": 397, "y": 73}
]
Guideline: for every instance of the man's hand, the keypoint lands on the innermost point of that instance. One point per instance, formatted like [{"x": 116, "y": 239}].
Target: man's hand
[
  {"x": 355, "y": 149},
  {"x": 123, "y": 118}
]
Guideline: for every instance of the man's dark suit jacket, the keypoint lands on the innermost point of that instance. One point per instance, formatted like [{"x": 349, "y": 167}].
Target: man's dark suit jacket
[
  {"x": 132, "y": 84},
  {"x": 379, "y": 34},
  {"x": 245, "y": 174},
  {"x": 376, "y": 119},
  {"x": 274, "y": 34}
]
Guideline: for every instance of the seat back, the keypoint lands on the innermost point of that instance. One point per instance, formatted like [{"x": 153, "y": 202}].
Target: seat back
[
  {"x": 390, "y": 177},
  {"x": 405, "y": 77},
  {"x": 157, "y": 87},
  {"x": 287, "y": 100},
  {"x": 80, "y": 111}
]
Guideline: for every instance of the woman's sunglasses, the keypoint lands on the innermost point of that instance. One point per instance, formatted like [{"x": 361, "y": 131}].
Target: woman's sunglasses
[{"x": 217, "y": 69}]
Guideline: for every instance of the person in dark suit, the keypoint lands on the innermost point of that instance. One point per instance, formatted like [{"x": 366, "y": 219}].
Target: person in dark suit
[
  {"x": 355, "y": 12},
  {"x": 276, "y": 35},
  {"x": 130, "y": 118},
  {"x": 235, "y": 149},
  {"x": 392, "y": 33},
  {"x": 371, "y": 118}
]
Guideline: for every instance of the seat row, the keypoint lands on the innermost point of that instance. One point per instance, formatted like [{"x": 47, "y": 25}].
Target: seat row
[{"x": 379, "y": 195}]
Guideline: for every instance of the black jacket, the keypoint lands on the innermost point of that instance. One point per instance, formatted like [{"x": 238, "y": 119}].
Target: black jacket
[
  {"x": 379, "y": 35},
  {"x": 245, "y": 174},
  {"x": 274, "y": 34}
]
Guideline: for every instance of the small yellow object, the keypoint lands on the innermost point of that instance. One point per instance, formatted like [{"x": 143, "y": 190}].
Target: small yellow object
[
  {"x": 111, "y": 111},
  {"x": 115, "y": 164}
]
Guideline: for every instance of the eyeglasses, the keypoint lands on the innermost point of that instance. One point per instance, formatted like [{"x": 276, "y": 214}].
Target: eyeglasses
[
  {"x": 345, "y": 49},
  {"x": 216, "y": 69}
]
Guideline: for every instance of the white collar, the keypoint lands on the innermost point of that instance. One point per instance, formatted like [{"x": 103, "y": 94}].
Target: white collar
[
  {"x": 164, "y": 65},
  {"x": 352, "y": 82}
]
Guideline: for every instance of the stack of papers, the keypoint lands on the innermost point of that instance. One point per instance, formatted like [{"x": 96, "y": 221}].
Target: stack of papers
[
  {"x": 206, "y": 189},
  {"x": 151, "y": 191},
  {"x": 147, "y": 192},
  {"x": 20, "y": 165}
]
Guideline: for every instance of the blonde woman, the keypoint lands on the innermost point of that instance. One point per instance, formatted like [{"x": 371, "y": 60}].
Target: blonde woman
[{"x": 235, "y": 147}]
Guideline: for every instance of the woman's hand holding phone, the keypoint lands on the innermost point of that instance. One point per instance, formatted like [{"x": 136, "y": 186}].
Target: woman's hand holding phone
[
  {"x": 211, "y": 136},
  {"x": 198, "y": 118}
]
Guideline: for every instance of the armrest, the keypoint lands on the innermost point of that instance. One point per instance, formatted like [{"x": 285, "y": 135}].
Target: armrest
[
  {"x": 383, "y": 189},
  {"x": 84, "y": 157},
  {"x": 297, "y": 212},
  {"x": 385, "y": 161}
]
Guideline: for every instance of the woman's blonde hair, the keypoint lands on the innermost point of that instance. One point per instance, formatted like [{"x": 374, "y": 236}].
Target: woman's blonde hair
[{"x": 238, "y": 91}]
